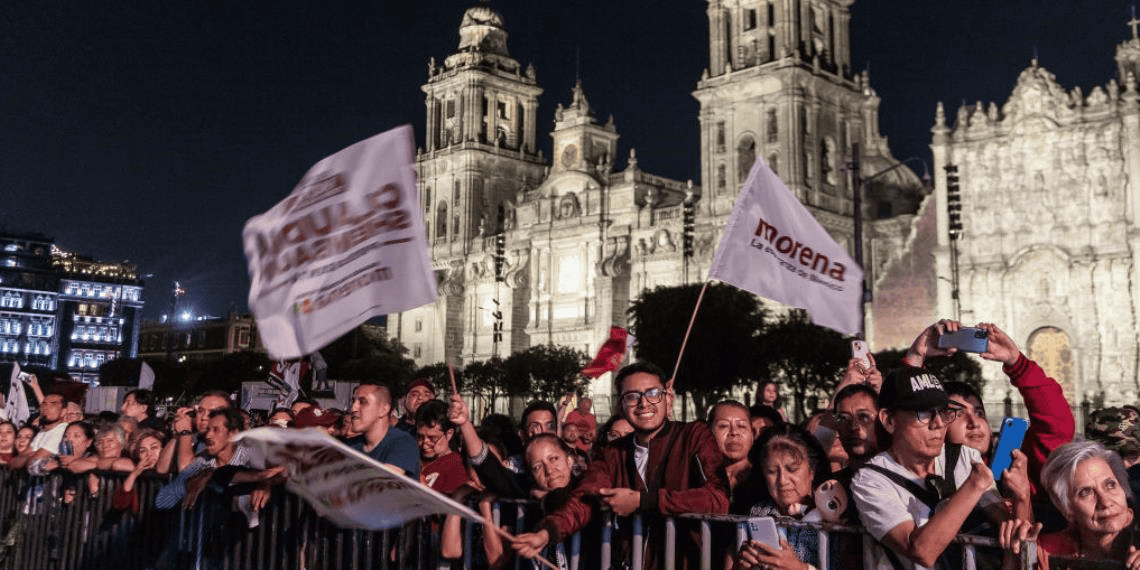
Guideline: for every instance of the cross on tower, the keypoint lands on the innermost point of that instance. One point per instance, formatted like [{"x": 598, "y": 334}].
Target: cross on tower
[{"x": 1134, "y": 23}]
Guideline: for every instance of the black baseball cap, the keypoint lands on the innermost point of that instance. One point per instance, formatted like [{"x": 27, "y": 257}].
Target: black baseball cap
[{"x": 910, "y": 388}]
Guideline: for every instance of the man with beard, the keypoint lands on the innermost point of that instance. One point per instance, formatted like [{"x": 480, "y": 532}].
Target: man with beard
[
  {"x": 218, "y": 450},
  {"x": 189, "y": 429},
  {"x": 46, "y": 443},
  {"x": 664, "y": 468}
]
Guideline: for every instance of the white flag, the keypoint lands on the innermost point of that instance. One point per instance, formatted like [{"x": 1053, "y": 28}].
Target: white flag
[
  {"x": 344, "y": 485},
  {"x": 775, "y": 248},
  {"x": 146, "y": 376},
  {"x": 16, "y": 408},
  {"x": 348, "y": 244}
]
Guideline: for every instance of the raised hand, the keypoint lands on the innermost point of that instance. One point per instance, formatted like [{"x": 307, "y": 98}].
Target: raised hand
[
  {"x": 925, "y": 344},
  {"x": 1001, "y": 347}
]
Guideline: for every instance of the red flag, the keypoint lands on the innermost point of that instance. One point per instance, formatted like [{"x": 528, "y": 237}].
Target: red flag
[{"x": 610, "y": 355}]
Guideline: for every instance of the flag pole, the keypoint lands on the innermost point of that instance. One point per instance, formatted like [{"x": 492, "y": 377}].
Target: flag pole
[{"x": 688, "y": 331}]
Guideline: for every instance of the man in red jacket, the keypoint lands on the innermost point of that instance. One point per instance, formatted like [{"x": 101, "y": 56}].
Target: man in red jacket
[{"x": 664, "y": 468}]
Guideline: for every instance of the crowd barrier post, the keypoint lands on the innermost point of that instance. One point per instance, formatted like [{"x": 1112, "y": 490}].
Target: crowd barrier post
[
  {"x": 670, "y": 542},
  {"x": 638, "y": 542},
  {"x": 607, "y": 542},
  {"x": 575, "y": 550}
]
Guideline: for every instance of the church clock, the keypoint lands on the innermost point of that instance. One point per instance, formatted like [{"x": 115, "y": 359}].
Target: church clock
[{"x": 569, "y": 155}]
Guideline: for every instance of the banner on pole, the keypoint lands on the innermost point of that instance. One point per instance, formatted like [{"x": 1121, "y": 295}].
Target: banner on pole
[
  {"x": 345, "y": 486},
  {"x": 348, "y": 244},
  {"x": 773, "y": 247},
  {"x": 16, "y": 407}
]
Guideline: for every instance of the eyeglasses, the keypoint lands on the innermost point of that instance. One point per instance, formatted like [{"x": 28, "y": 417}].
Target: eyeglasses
[
  {"x": 430, "y": 439},
  {"x": 863, "y": 418},
  {"x": 948, "y": 415},
  {"x": 652, "y": 395}
]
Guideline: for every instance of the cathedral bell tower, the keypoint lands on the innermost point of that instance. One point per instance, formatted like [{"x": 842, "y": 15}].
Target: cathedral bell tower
[
  {"x": 779, "y": 86},
  {"x": 480, "y": 135},
  {"x": 579, "y": 141}
]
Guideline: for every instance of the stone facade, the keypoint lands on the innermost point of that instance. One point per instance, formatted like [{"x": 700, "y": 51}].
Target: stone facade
[
  {"x": 580, "y": 238},
  {"x": 1049, "y": 247}
]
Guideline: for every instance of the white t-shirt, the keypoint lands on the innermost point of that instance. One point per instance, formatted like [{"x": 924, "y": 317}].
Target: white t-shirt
[
  {"x": 641, "y": 459},
  {"x": 884, "y": 505},
  {"x": 49, "y": 439}
]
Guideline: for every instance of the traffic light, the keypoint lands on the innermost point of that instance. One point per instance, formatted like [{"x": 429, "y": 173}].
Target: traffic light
[
  {"x": 500, "y": 256},
  {"x": 688, "y": 223},
  {"x": 953, "y": 201}
]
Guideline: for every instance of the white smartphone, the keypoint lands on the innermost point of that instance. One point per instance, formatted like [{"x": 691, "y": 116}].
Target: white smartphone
[
  {"x": 763, "y": 530},
  {"x": 859, "y": 350}
]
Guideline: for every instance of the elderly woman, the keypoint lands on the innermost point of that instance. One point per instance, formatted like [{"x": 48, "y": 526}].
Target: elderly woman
[
  {"x": 109, "y": 445},
  {"x": 1088, "y": 484},
  {"x": 788, "y": 464}
]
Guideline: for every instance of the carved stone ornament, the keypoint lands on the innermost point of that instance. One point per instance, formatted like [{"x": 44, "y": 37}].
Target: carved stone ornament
[
  {"x": 453, "y": 282},
  {"x": 516, "y": 274},
  {"x": 568, "y": 206},
  {"x": 616, "y": 257},
  {"x": 1037, "y": 93}
]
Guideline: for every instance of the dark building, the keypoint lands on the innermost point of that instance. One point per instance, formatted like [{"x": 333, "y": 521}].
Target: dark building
[
  {"x": 63, "y": 310},
  {"x": 198, "y": 339}
]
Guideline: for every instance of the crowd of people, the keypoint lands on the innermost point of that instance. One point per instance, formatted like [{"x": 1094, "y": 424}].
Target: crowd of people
[{"x": 902, "y": 453}]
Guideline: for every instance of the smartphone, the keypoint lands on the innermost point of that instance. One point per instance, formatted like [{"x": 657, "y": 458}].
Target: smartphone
[
  {"x": 1009, "y": 438},
  {"x": 763, "y": 530},
  {"x": 969, "y": 339},
  {"x": 859, "y": 350}
]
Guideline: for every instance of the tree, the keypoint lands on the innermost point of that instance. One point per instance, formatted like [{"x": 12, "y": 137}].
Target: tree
[
  {"x": 440, "y": 377},
  {"x": 810, "y": 358},
  {"x": 367, "y": 353},
  {"x": 958, "y": 367},
  {"x": 485, "y": 378},
  {"x": 722, "y": 352},
  {"x": 546, "y": 371}
]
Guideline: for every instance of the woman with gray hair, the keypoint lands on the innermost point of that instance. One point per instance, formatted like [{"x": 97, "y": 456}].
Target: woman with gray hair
[{"x": 1088, "y": 484}]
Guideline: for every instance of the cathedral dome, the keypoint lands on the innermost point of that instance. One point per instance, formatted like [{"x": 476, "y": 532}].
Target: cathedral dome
[
  {"x": 482, "y": 30},
  {"x": 893, "y": 192}
]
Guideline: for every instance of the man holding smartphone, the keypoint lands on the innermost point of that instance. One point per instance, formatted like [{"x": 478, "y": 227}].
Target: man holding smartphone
[{"x": 1051, "y": 421}]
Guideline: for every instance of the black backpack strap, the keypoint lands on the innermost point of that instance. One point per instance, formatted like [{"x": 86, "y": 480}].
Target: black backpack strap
[
  {"x": 923, "y": 494},
  {"x": 953, "y": 451}
]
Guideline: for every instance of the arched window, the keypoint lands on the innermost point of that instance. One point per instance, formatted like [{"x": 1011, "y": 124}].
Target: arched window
[
  {"x": 745, "y": 156},
  {"x": 441, "y": 220}
]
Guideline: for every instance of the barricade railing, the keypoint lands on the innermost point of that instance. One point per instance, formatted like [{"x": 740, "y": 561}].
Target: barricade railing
[{"x": 55, "y": 522}]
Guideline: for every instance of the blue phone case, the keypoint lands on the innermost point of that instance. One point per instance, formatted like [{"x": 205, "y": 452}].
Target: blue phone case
[{"x": 1009, "y": 438}]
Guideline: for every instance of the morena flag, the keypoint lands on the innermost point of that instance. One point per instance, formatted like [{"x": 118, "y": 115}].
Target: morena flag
[{"x": 773, "y": 247}]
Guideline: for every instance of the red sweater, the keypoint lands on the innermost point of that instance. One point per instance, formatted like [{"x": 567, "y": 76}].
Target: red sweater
[
  {"x": 685, "y": 472},
  {"x": 1051, "y": 421}
]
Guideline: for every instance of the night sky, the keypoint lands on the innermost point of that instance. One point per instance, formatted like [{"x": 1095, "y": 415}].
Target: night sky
[{"x": 150, "y": 132}]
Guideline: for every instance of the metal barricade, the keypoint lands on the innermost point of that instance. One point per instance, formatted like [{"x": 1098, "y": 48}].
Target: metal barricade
[{"x": 45, "y": 526}]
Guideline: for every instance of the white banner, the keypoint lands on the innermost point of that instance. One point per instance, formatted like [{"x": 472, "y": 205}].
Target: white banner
[
  {"x": 347, "y": 487},
  {"x": 348, "y": 244},
  {"x": 16, "y": 407},
  {"x": 146, "y": 377},
  {"x": 775, "y": 248}
]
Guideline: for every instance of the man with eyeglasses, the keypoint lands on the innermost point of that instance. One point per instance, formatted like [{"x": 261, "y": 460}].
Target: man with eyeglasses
[
  {"x": 664, "y": 468},
  {"x": 913, "y": 409},
  {"x": 856, "y": 412},
  {"x": 442, "y": 469}
]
